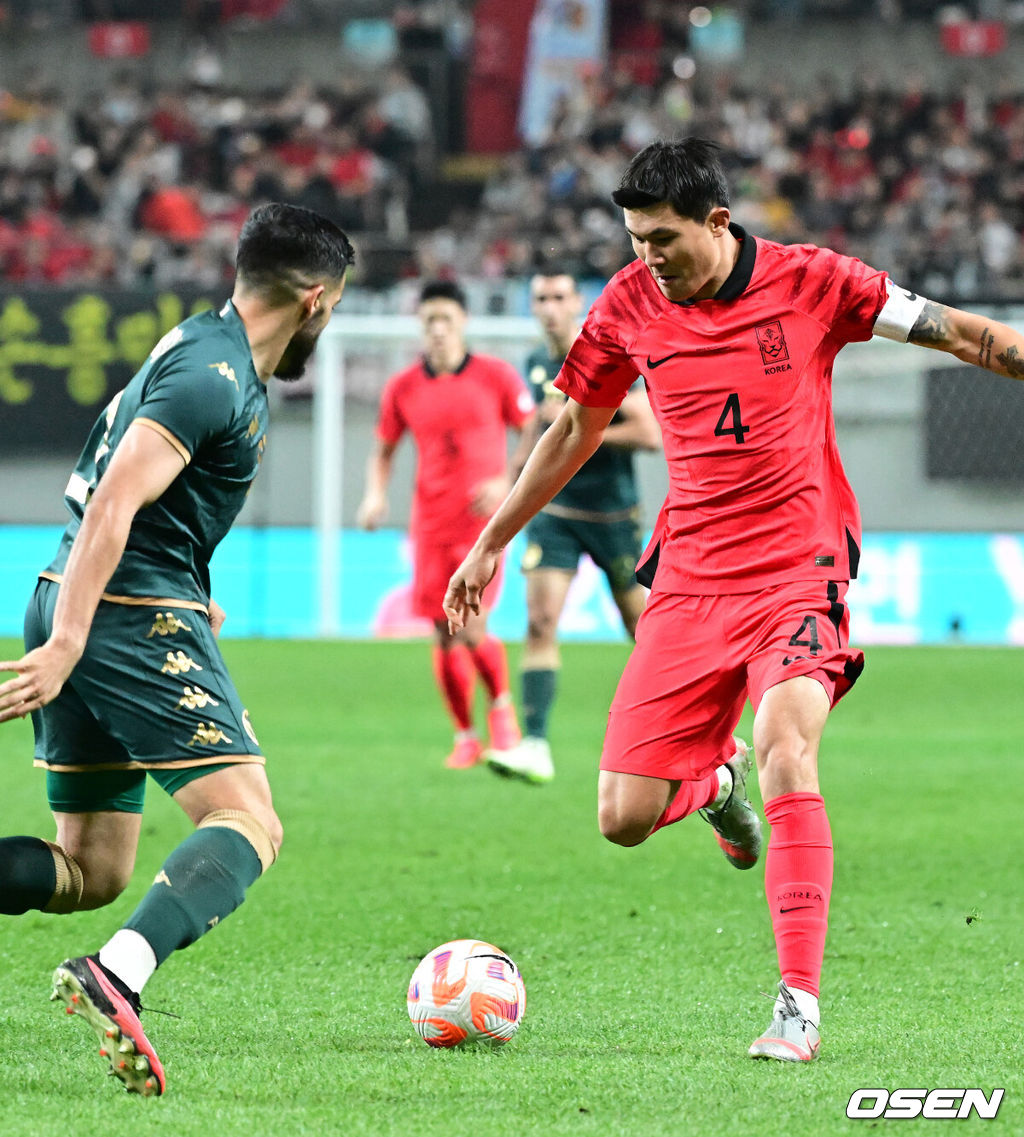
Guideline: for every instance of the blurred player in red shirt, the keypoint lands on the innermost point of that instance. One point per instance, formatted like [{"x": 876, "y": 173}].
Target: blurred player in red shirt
[
  {"x": 758, "y": 538},
  {"x": 458, "y": 406}
]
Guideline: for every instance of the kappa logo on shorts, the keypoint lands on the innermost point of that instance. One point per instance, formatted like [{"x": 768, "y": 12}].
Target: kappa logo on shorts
[
  {"x": 208, "y": 735},
  {"x": 772, "y": 342},
  {"x": 196, "y": 697},
  {"x": 178, "y": 663},
  {"x": 166, "y": 624},
  {"x": 531, "y": 557}
]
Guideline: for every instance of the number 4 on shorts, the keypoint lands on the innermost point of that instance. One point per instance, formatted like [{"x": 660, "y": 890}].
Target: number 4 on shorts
[{"x": 810, "y": 626}]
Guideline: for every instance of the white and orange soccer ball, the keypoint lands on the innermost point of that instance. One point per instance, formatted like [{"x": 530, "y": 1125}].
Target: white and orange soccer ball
[{"x": 466, "y": 991}]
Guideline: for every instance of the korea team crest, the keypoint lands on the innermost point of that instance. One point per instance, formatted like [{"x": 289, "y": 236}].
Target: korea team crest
[{"x": 772, "y": 343}]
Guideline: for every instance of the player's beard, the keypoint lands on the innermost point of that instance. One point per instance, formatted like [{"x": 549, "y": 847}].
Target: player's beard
[{"x": 292, "y": 364}]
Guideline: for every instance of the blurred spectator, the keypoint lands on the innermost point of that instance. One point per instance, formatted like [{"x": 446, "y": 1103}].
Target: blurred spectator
[{"x": 135, "y": 184}]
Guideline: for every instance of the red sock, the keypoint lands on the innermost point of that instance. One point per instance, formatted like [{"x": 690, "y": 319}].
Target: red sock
[
  {"x": 690, "y": 797},
  {"x": 454, "y": 673},
  {"x": 798, "y": 884},
  {"x": 491, "y": 662}
]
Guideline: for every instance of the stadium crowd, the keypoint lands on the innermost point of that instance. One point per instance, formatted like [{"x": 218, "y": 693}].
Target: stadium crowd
[{"x": 139, "y": 183}]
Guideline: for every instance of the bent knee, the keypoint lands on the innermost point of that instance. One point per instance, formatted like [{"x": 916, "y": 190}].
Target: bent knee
[
  {"x": 541, "y": 628},
  {"x": 99, "y": 890},
  {"x": 627, "y": 829}
]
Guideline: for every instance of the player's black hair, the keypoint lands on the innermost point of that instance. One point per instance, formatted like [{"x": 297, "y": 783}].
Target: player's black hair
[
  {"x": 284, "y": 249},
  {"x": 444, "y": 290},
  {"x": 687, "y": 174},
  {"x": 555, "y": 268}
]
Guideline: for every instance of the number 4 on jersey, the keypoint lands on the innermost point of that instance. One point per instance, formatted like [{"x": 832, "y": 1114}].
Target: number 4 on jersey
[{"x": 730, "y": 420}]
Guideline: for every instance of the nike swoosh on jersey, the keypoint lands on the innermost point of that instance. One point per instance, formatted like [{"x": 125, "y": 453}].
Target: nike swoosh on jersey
[{"x": 652, "y": 363}]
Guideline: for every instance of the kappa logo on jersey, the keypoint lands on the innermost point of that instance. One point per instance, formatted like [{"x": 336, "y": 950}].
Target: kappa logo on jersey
[
  {"x": 772, "y": 342},
  {"x": 226, "y": 370}
]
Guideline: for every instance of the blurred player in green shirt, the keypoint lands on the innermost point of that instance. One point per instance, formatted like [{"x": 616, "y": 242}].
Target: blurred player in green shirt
[
  {"x": 122, "y": 673},
  {"x": 597, "y": 513}
]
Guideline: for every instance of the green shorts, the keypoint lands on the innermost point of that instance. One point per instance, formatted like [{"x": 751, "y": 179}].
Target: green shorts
[
  {"x": 559, "y": 542},
  {"x": 151, "y": 694}
]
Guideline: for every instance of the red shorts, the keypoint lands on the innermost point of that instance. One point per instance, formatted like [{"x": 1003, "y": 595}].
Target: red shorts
[
  {"x": 698, "y": 658},
  {"x": 433, "y": 566}
]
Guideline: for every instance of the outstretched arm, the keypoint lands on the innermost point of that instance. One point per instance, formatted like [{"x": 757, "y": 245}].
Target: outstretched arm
[
  {"x": 970, "y": 337},
  {"x": 143, "y": 466},
  {"x": 563, "y": 448}
]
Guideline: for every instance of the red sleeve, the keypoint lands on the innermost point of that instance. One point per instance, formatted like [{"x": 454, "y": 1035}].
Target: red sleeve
[
  {"x": 850, "y": 296},
  {"x": 391, "y": 424},
  {"x": 598, "y": 370}
]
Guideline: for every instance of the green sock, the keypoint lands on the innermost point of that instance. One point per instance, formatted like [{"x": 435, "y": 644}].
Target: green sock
[
  {"x": 538, "y": 695},
  {"x": 202, "y": 881}
]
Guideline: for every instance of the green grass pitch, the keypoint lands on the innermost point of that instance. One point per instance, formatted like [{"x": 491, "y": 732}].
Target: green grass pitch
[{"x": 644, "y": 968}]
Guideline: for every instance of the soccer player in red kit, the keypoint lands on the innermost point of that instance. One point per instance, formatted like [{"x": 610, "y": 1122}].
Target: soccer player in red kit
[
  {"x": 758, "y": 537},
  {"x": 458, "y": 406}
]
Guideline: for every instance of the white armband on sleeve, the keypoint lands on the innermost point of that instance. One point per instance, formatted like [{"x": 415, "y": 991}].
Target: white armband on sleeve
[{"x": 899, "y": 314}]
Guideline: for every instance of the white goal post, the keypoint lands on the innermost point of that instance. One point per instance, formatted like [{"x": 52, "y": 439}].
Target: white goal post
[{"x": 344, "y": 334}]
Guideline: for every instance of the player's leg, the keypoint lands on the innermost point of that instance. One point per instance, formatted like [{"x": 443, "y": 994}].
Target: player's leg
[
  {"x": 669, "y": 743},
  {"x": 91, "y": 859},
  {"x": 546, "y": 592},
  {"x": 175, "y": 714},
  {"x": 549, "y": 563},
  {"x": 456, "y": 679},
  {"x": 86, "y": 866},
  {"x": 798, "y": 864},
  {"x": 631, "y": 603},
  {"x": 804, "y": 666},
  {"x": 451, "y": 663},
  {"x": 99, "y": 817},
  {"x": 616, "y": 547},
  {"x": 236, "y": 839},
  {"x": 491, "y": 662}
]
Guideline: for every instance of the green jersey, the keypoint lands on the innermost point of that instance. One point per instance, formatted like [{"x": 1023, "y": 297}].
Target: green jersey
[
  {"x": 606, "y": 482},
  {"x": 200, "y": 390}
]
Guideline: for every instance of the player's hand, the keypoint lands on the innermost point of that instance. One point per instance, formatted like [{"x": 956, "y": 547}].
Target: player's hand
[
  {"x": 489, "y": 494},
  {"x": 466, "y": 587},
  {"x": 40, "y": 674},
  {"x": 372, "y": 512},
  {"x": 217, "y": 616}
]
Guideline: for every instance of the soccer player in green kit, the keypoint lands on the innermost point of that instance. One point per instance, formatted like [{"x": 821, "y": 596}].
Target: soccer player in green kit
[
  {"x": 598, "y": 513},
  {"x": 122, "y": 673}
]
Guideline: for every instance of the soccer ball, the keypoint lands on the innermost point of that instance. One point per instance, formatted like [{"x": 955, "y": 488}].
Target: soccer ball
[{"x": 466, "y": 991}]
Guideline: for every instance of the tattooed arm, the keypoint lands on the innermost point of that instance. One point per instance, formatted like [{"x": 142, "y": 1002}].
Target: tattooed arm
[{"x": 974, "y": 339}]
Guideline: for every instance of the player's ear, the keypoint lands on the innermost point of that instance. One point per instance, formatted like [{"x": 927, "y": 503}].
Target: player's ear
[
  {"x": 718, "y": 220},
  {"x": 312, "y": 300}
]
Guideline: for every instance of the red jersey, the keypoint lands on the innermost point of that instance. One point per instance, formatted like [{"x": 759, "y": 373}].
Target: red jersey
[
  {"x": 459, "y": 422},
  {"x": 742, "y": 387}
]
